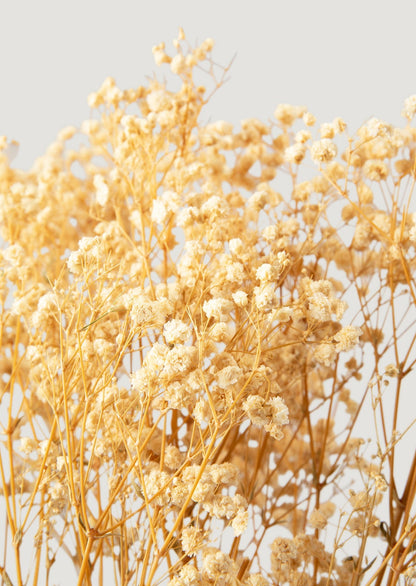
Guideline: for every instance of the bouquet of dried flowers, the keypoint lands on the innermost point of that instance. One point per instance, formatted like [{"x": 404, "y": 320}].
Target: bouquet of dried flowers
[{"x": 193, "y": 320}]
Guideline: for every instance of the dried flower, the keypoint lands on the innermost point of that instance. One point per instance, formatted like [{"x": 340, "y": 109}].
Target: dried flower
[{"x": 172, "y": 347}]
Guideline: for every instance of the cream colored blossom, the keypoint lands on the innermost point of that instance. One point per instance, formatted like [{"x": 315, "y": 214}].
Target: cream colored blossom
[
  {"x": 283, "y": 551},
  {"x": 159, "y": 54},
  {"x": 309, "y": 119},
  {"x": 258, "y": 200},
  {"x": 228, "y": 376},
  {"x": 271, "y": 414},
  {"x": 192, "y": 539},
  {"x": 325, "y": 354},
  {"x": 27, "y": 445},
  {"x": 264, "y": 296},
  {"x": 286, "y": 114},
  {"x": 283, "y": 314},
  {"x": 318, "y": 519},
  {"x": 217, "y": 308},
  {"x": 391, "y": 370},
  {"x": 409, "y": 107},
  {"x": 159, "y": 211},
  {"x": 376, "y": 170},
  {"x": 188, "y": 576},
  {"x": 347, "y": 338},
  {"x": 240, "y": 298},
  {"x": 295, "y": 153},
  {"x": 240, "y": 522},
  {"x": 176, "y": 331},
  {"x": 265, "y": 273},
  {"x": 270, "y": 233},
  {"x": 218, "y": 567},
  {"x": 102, "y": 190},
  {"x": 157, "y": 486},
  {"x": 220, "y": 332},
  {"x": 236, "y": 246},
  {"x": 374, "y": 128},
  {"x": 323, "y": 151}
]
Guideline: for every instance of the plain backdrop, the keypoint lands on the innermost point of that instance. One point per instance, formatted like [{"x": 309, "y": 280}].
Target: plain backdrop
[{"x": 354, "y": 59}]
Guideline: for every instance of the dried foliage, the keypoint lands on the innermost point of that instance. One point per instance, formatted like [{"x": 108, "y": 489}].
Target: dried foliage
[{"x": 193, "y": 319}]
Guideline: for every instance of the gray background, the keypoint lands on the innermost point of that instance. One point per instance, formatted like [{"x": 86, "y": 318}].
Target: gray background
[{"x": 352, "y": 59}]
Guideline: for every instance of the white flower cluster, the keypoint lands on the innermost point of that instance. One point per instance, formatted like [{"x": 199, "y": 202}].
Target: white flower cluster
[
  {"x": 102, "y": 189},
  {"x": 272, "y": 414},
  {"x": 164, "y": 206},
  {"x": 323, "y": 151},
  {"x": 176, "y": 331}
]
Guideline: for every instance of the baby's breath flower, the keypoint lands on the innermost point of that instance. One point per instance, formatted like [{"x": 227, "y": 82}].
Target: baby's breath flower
[
  {"x": 74, "y": 262},
  {"x": 47, "y": 302},
  {"x": 376, "y": 170},
  {"x": 302, "y": 191},
  {"x": 295, "y": 153},
  {"x": 327, "y": 130},
  {"x": 286, "y": 114},
  {"x": 319, "y": 517},
  {"x": 283, "y": 551},
  {"x": 157, "y": 486},
  {"x": 325, "y": 354},
  {"x": 258, "y": 200},
  {"x": 373, "y": 128},
  {"x": 309, "y": 119},
  {"x": 264, "y": 296},
  {"x": 265, "y": 273},
  {"x": 202, "y": 412},
  {"x": 159, "y": 212},
  {"x": 188, "y": 576},
  {"x": 271, "y": 414},
  {"x": 160, "y": 55},
  {"x": 409, "y": 107},
  {"x": 218, "y": 566},
  {"x": 391, "y": 370},
  {"x": 240, "y": 298},
  {"x": 27, "y": 445},
  {"x": 302, "y": 136},
  {"x": 234, "y": 272},
  {"x": 187, "y": 216},
  {"x": 270, "y": 233},
  {"x": 191, "y": 539},
  {"x": 236, "y": 246},
  {"x": 178, "y": 64},
  {"x": 67, "y": 133},
  {"x": 178, "y": 361},
  {"x": 228, "y": 376},
  {"x": 220, "y": 332},
  {"x": 347, "y": 338},
  {"x": 282, "y": 258},
  {"x": 102, "y": 190},
  {"x": 323, "y": 151},
  {"x": 320, "y": 306},
  {"x": 175, "y": 331},
  {"x": 213, "y": 207},
  {"x": 283, "y": 314},
  {"x": 339, "y": 125},
  {"x": 217, "y": 308},
  {"x": 364, "y": 193}
]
